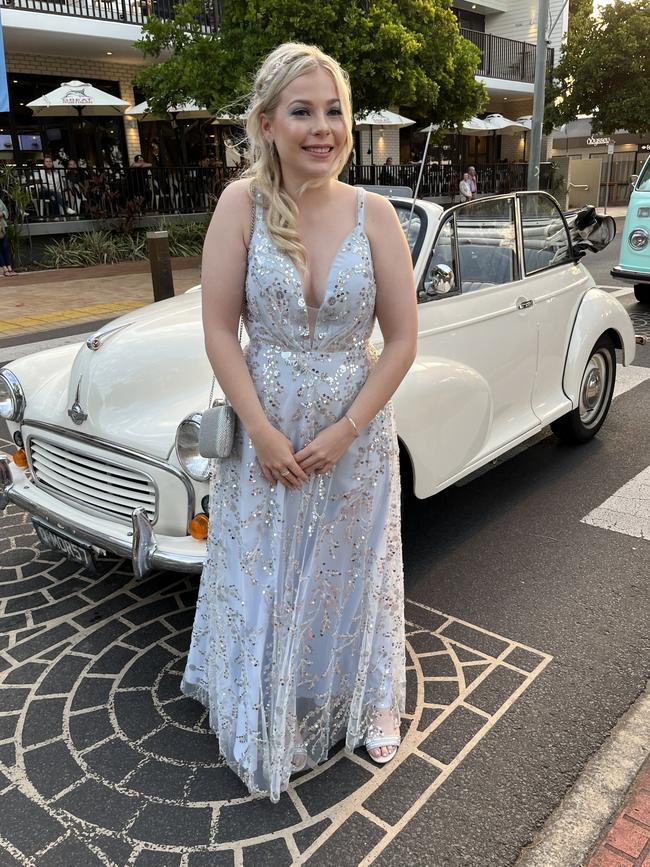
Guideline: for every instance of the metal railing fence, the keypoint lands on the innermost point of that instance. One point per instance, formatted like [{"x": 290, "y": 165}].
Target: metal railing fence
[
  {"x": 441, "y": 181},
  {"x": 505, "y": 58},
  {"x": 93, "y": 194},
  {"x": 128, "y": 11}
]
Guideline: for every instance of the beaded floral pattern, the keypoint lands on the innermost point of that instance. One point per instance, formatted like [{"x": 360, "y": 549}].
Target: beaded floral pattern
[{"x": 299, "y": 629}]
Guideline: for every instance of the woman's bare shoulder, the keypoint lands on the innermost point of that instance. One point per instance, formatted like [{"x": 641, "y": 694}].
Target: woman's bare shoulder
[
  {"x": 380, "y": 215},
  {"x": 237, "y": 194}
]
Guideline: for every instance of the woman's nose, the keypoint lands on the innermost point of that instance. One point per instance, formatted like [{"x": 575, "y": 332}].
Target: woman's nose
[{"x": 320, "y": 124}]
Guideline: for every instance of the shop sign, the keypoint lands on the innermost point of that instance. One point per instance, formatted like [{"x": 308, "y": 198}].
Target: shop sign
[
  {"x": 595, "y": 140},
  {"x": 645, "y": 146}
]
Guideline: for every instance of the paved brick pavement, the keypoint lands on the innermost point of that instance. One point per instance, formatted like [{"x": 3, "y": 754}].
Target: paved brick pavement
[
  {"x": 626, "y": 842},
  {"x": 39, "y": 301}
]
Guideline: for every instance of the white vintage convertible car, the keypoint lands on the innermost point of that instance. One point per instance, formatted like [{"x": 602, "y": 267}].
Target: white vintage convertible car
[{"x": 513, "y": 336}]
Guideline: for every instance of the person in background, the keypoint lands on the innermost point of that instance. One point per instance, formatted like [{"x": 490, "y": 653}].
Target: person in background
[
  {"x": 473, "y": 181},
  {"x": 140, "y": 163},
  {"x": 465, "y": 189},
  {"x": 5, "y": 257},
  {"x": 386, "y": 176},
  {"x": 51, "y": 186}
]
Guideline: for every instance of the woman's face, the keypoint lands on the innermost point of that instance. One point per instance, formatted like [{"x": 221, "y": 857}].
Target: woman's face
[{"x": 307, "y": 126}]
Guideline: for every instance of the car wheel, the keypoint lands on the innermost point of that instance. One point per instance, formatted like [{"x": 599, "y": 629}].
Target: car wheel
[
  {"x": 596, "y": 390},
  {"x": 642, "y": 292}
]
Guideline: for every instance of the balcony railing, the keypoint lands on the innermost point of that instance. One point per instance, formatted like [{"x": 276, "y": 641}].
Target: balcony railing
[
  {"x": 506, "y": 58},
  {"x": 127, "y": 11}
]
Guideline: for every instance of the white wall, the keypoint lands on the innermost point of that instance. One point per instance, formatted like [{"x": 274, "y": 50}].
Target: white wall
[{"x": 520, "y": 22}]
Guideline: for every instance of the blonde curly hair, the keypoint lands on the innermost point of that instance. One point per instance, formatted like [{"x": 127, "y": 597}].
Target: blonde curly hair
[{"x": 280, "y": 68}]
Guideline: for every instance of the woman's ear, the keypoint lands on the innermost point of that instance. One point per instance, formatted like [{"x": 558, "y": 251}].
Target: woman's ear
[{"x": 265, "y": 125}]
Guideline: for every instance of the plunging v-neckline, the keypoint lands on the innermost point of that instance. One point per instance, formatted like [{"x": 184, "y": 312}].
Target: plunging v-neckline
[{"x": 301, "y": 286}]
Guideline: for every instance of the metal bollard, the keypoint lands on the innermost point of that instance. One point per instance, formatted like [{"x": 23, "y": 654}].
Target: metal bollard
[{"x": 161, "y": 266}]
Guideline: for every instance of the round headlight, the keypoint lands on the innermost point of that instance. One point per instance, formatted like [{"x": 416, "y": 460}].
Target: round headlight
[
  {"x": 12, "y": 397},
  {"x": 187, "y": 448},
  {"x": 638, "y": 239}
]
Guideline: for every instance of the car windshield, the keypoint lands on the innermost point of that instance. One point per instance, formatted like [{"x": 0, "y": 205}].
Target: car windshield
[
  {"x": 412, "y": 231},
  {"x": 643, "y": 182}
]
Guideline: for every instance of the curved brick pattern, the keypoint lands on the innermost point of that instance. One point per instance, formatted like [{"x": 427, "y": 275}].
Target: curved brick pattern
[{"x": 103, "y": 761}]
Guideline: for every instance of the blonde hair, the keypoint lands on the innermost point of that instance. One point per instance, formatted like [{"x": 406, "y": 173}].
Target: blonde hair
[{"x": 279, "y": 69}]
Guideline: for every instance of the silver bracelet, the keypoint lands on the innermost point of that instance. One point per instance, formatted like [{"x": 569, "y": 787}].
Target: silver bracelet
[{"x": 352, "y": 422}]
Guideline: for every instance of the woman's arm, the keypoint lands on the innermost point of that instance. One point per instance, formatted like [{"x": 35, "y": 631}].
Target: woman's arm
[
  {"x": 223, "y": 275},
  {"x": 396, "y": 309}
]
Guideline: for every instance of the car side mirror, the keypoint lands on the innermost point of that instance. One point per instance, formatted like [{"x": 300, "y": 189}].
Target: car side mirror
[
  {"x": 581, "y": 248},
  {"x": 441, "y": 281},
  {"x": 633, "y": 179}
]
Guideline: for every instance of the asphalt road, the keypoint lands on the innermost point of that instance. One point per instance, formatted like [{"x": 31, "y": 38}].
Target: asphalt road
[{"x": 529, "y": 620}]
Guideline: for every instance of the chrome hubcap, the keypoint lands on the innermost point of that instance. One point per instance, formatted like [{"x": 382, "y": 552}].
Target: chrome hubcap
[{"x": 594, "y": 388}]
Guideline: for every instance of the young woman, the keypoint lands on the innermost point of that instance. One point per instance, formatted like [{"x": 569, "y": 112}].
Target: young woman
[{"x": 298, "y": 637}]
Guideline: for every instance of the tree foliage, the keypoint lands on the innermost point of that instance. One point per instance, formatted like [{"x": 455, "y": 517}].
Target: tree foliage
[
  {"x": 397, "y": 52},
  {"x": 604, "y": 68}
]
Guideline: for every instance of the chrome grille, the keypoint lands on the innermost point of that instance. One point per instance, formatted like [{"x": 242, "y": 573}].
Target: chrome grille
[{"x": 91, "y": 481}]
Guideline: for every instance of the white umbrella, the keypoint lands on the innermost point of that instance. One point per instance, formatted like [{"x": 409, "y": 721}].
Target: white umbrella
[
  {"x": 472, "y": 126},
  {"x": 503, "y": 125},
  {"x": 182, "y": 111},
  {"x": 75, "y": 98},
  {"x": 381, "y": 118}
]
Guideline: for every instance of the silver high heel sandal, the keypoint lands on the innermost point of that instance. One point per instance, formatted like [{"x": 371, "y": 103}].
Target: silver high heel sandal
[{"x": 377, "y": 738}]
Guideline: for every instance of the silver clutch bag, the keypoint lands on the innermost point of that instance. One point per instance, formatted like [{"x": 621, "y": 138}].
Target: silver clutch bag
[{"x": 217, "y": 431}]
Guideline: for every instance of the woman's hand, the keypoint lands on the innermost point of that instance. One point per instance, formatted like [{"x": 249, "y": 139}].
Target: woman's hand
[
  {"x": 275, "y": 455},
  {"x": 321, "y": 454}
]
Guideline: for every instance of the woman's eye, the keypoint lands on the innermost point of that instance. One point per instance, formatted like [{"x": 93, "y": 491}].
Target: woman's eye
[
  {"x": 336, "y": 110},
  {"x": 299, "y": 111}
]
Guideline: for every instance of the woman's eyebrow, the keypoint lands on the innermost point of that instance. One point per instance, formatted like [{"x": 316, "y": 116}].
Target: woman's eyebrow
[{"x": 309, "y": 102}]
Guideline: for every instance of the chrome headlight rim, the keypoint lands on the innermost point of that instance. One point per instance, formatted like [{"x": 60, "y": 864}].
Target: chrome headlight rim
[
  {"x": 642, "y": 235},
  {"x": 17, "y": 395},
  {"x": 191, "y": 424}
]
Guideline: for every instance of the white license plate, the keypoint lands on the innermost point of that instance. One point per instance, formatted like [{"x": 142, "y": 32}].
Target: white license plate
[{"x": 75, "y": 550}]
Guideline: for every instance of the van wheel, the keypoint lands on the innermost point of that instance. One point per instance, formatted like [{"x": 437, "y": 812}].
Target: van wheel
[
  {"x": 642, "y": 292},
  {"x": 596, "y": 390}
]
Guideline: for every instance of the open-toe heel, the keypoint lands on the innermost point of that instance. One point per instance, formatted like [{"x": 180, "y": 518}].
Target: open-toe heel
[{"x": 376, "y": 738}]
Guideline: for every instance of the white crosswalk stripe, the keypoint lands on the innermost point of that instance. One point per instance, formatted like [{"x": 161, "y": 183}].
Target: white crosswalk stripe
[{"x": 626, "y": 511}]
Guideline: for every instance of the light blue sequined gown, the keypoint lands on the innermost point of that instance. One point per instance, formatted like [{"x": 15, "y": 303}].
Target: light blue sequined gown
[{"x": 299, "y": 629}]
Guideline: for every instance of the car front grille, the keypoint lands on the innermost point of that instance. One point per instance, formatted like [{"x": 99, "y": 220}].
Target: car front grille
[{"x": 91, "y": 481}]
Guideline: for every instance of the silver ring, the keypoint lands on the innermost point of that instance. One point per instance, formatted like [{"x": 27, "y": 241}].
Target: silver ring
[{"x": 285, "y": 473}]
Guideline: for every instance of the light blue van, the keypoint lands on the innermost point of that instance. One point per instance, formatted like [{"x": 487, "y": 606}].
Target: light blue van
[{"x": 635, "y": 243}]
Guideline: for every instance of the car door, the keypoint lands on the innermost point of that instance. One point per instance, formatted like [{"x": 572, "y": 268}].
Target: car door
[
  {"x": 477, "y": 316},
  {"x": 556, "y": 285}
]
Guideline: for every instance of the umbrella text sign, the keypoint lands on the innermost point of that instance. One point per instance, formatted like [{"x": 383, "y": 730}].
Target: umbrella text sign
[{"x": 75, "y": 98}]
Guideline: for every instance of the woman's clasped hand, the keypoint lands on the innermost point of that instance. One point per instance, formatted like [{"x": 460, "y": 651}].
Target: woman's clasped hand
[{"x": 279, "y": 463}]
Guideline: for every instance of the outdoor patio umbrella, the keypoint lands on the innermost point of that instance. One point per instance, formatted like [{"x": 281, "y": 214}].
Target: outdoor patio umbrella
[
  {"x": 381, "y": 118},
  {"x": 182, "y": 111},
  {"x": 472, "y": 126},
  {"x": 77, "y": 98},
  {"x": 503, "y": 125}
]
